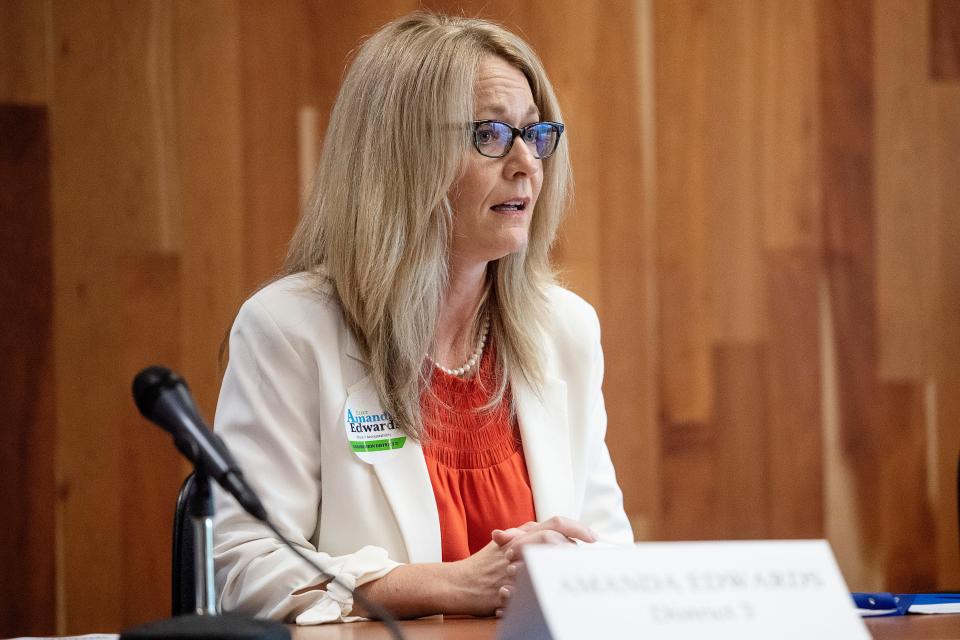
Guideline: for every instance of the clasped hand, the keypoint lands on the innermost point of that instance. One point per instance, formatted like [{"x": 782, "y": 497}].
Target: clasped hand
[{"x": 495, "y": 567}]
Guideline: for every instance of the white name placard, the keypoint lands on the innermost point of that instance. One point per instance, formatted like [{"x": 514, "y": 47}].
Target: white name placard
[{"x": 682, "y": 590}]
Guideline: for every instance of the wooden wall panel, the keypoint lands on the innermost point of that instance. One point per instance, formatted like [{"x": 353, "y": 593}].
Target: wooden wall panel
[
  {"x": 209, "y": 107},
  {"x": 332, "y": 33},
  {"x": 901, "y": 436},
  {"x": 689, "y": 490},
  {"x": 905, "y": 171},
  {"x": 792, "y": 235},
  {"x": 125, "y": 140},
  {"x": 681, "y": 58},
  {"x": 946, "y": 436},
  {"x": 841, "y": 500},
  {"x": 681, "y": 61},
  {"x": 746, "y": 487},
  {"x": 789, "y": 119},
  {"x": 160, "y": 73},
  {"x": 794, "y": 430},
  {"x": 627, "y": 251},
  {"x": 335, "y": 33},
  {"x": 271, "y": 36},
  {"x": 567, "y": 38},
  {"x": 23, "y": 51},
  {"x": 108, "y": 177},
  {"x": 846, "y": 108},
  {"x": 945, "y": 39},
  {"x": 150, "y": 466},
  {"x": 645, "y": 483},
  {"x": 732, "y": 172},
  {"x": 27, "y": 489}
]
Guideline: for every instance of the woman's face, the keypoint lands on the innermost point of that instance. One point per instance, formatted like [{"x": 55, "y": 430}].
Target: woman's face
[{"x": 494, "y": 198}]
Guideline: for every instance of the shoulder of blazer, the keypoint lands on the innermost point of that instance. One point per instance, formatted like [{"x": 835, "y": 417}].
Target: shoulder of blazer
[
  {"x": 306, "y": 310},
  {"x": 569, "y": 311},
  {"x": 292, "y": 297},
  {"x": 572, "y": 333}
]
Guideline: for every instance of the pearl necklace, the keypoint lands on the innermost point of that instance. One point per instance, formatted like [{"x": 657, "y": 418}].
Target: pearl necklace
[{"x": 474, "y": 359}]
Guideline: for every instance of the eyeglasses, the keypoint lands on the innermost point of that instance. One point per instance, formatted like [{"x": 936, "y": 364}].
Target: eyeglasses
[{"x": 494, "y": 138}]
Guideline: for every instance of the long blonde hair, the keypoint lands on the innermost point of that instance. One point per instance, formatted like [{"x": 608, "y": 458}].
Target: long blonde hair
[{"x": 378, "y": 224}]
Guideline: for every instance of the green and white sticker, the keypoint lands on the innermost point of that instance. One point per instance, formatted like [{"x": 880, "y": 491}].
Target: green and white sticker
[{"x": 372, "y": 434}]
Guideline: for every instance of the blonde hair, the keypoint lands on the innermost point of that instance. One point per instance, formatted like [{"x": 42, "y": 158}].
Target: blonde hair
[{"x": 378, "y": 224}]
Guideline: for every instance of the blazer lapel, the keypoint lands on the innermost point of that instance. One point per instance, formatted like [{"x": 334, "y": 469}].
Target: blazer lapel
[
  {"x": 546, "y": 445},
  {"x": 406, "y": 484}
]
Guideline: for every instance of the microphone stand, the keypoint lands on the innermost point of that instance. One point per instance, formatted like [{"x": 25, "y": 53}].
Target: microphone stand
[
  {"x": 206, "y": 623},
  {"x": 200, "y": 510}
]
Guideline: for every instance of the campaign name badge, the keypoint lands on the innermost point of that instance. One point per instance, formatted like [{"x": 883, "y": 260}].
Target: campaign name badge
[{"x": 372, "y": 434}]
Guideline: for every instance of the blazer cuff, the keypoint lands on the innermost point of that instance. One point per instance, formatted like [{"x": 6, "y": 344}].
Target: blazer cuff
[{"x": 335, "y": 602}]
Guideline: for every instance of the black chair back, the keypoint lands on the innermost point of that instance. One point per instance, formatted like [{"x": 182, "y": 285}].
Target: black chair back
[{"x": 184, "y": 587}]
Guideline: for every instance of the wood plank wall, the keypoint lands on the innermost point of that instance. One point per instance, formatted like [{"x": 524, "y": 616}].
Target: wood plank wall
[
  {"x": 766, "y": 220},
  {"x": 27, "y": 435}
]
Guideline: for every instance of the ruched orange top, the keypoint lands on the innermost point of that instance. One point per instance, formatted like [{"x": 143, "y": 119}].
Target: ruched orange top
[{"x": 475, "y": 460}]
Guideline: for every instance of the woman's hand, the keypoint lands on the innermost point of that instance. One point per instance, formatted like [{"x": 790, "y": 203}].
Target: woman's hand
[
  {"x": 479, "y": 581},
  {"x": 556, "y": 530}
]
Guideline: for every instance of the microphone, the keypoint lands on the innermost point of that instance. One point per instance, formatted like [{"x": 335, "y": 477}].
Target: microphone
[{"x": 164, "y": 398}]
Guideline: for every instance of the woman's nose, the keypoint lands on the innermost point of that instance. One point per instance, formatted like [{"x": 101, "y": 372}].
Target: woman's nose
[{"x": 520, "y": 160}]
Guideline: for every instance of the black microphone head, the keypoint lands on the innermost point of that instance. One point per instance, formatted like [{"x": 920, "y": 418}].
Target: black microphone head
[{"x": 148, "y": 384}]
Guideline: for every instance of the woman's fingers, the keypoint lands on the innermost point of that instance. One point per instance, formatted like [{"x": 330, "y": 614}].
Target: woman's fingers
[
  {"x": 504, "y": 537},
  {"x": 506, "y": 591},
  {"x": 564, "y": 526},
  {"x": 569, "y": 528},
  {"x": 547, "y": 536}
]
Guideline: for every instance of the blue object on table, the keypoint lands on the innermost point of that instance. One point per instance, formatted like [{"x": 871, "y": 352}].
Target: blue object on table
[
  {"x": 898, "y": 604},
  {"x": 880, "y": 604}
]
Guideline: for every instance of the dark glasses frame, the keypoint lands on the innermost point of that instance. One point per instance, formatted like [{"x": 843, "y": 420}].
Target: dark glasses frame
[{"x": 515, "y": 132}]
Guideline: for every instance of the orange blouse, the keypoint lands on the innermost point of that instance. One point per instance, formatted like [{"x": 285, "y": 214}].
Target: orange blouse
[{"x": 475, "y": 460}]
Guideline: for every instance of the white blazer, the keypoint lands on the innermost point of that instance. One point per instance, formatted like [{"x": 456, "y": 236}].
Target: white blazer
[{"x": 293, "y": 365}]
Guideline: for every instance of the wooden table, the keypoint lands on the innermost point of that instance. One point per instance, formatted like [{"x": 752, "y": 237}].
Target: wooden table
[{"x": 940, "y": 627}]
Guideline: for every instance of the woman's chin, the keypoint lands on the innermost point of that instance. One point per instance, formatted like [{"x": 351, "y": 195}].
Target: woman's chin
[{"x": 516, "y": 245}]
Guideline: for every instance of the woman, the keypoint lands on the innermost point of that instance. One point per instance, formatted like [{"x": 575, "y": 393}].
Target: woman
[{"x": 415, "y": 400}]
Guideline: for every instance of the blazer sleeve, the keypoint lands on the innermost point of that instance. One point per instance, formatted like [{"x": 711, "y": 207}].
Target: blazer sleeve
[
  {"x": 268, "y": 414},
  {"x": 603, "y": 500}
]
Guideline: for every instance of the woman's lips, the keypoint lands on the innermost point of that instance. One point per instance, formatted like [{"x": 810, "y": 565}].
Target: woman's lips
[{"x": 511, "y": 206}]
